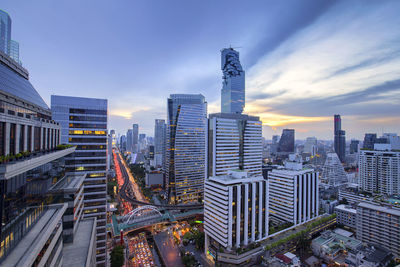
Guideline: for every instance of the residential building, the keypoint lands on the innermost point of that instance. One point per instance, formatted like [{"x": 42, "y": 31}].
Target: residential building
[
  {"x": 370, "y": 256},
  {"x": 234, "y": 142},
  {"x": 379, "y": 171},
  {"x": 293, "y": 192},
  {"x": 235, "y": 211},
  {"x": 159, "y": 142},
  {"x": 378, "y": 224},
  {"x": 32, "y": 163},
  {"x": 333, "y": 172},
  {"x": 339, "y": 138},
  {"x": 84, "y": 124},
  {"x": 346, "y": 215},
  {"x": 286, "y": 143},
  {"x": 233, "y": 84},
  {"x": 135, "y": 138},
  {"x": 186, "y": 166}
]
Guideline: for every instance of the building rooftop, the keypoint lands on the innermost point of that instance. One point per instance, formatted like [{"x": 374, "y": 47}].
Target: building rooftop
[
  {"x": 235, "y": 177},
  {"x": 332, "y": 241},
  {"x": 346, "y": 208},
  {"x": 28, "y": 248},
  {"x": 234, "y": 116},
  {"x": 290, "y": 172},
  {"x": 79, "y": 252},
  {"x": 386, "y": 209}
]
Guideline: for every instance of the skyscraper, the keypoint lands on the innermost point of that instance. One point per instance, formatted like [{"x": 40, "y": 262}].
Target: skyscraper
[
  {"x": 186, "y": 147},
  {"x": 129, "y": 140},
  {"x": 339, "y": 139},
  {"x": 135, "y": 138},
  {"x": 286, "y": 143},
  {"x": 235, "y": 142},
  {"x": 159, "y": 142},
  {"x": 84, "y": 124},
  {"x": 8, "y": 46},
  {"x": 354, "y": 146},
  {"x": 233, "y": 84}
]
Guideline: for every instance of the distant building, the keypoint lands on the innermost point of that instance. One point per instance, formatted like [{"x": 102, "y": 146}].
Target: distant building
[
  {"x": 7, "y": 45},
  {"x": 234, "y": 143},
  {"x": 129, "y": 140},
  {"x": 186, "y": 165},
  {"x": 159, "y": 142},
  {"x": 233, "y": 85},
  {"x": 379, "y": 171},
  {"x": 354, "y": 146},
  {"x": 135, "y": 138},
  {"x": 339, "y": 138},
  {"x": 286, "y": 143},
  {"x": 310, "y": 146},
  {"x": 378, "y": 224},
  {"x": 299, "y": 201},
  {"x": 346, "y": 215},
  {"x": 235, "y": 211},
  {"x": 333, "y": 172}
]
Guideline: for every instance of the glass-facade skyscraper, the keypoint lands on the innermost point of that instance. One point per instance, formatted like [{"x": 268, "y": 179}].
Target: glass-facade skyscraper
[
  {"x": 233, "y": 84},
  {"x": 186, "y": 147},
  {"x": 340, "y": 138},
  {"x": 286, "y": 143},
  {"x": 8, "y": 46}
]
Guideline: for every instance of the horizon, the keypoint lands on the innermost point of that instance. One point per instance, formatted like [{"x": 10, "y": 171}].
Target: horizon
[{"x": 314, "y": 61}]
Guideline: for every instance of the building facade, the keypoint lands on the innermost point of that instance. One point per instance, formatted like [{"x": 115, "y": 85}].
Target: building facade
[
  {"x": 346, "y": 215},
  {"x": 186, "y": 166},
  {"x": 333, "y": 172},
  {"x": 233, "y": 84},
  {"x": 379, "y": 225},
  {"x": 286, "y": 142},
  {"x": 159, "y": 142},
  {"x": 379, "y": 171},
  {"x": 7, "y": 45},
  {"x": 293, "y": 193},
  {"x": 339, "y": 138},
  {"x": 84, "y": 125},
  {"x": 235, "y": 210},
  {"x": 234, "y": 142},
  {"x": 135, "y": 138}
]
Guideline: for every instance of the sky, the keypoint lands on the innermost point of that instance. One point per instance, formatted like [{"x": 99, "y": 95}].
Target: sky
[{"x": 304, "y": 60}]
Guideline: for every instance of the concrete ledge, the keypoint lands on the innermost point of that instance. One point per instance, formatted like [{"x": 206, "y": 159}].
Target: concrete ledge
[{"x": 12, "y": 169}]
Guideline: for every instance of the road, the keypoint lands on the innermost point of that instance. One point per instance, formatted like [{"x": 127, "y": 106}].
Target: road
[
  {"x": 127, "y": 172},
  {"x": 168, "y": 249}
]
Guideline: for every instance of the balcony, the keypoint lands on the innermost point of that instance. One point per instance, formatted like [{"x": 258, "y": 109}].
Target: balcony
[{"x": 23, "y": 163}]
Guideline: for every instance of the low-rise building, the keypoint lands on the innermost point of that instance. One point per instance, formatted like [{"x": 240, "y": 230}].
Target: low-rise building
[{"x": 346, "y": 215}]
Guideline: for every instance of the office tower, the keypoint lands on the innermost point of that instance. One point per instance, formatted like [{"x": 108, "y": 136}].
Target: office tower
[
  {"x": 8, "y": 46},
  {"x": 186, "y": 147},
  {"x": 113, "y": 138},
  {"x": 275, "y": 143},
  {"x": 286, "y": 143},
  {"x": 5, "y": 31},
  {"x": 369, "y": 141},
  {"x": 332, "y": 171},
  {"x": 122, "y": 143},
  {"x": 310, "y": 146},
  {"x": 377, "y": 224},
  {"x": 235, "y": 211},
  {"x": 129, "y": 140},
  {"x": 159, "y": 142},
  {"x": 233, "y": 84},
  {"x": 339, "y": 138},
  {"x": 234, "y": 142},
  {"x": 84, "y": 124},
  {"x": 32, "y": 163},
  {"x": 293, "y": 192},
  {"x": 354, "y": 146},
  {"x": 392, "y": 139},
  {"x": 379, "y": 171},
  {"x": 135, "y": 138},
  {"x": 142, "y": 142}
]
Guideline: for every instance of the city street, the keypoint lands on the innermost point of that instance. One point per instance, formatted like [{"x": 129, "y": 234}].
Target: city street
[{"x": 168, "y": 249}]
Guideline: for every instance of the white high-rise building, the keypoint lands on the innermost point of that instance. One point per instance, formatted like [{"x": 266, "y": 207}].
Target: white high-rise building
[
  {"x": 129, "y": 140},
  {"x": 293, "y": 193},
  {"x": 186, "y": 166},
  {"x": 84, "y": 124},
  {"x": 235, "y": 210},
  {"x": 135, "y": 138},
  {"x": 333, "y": 172},
  {"x": 235, "y": 142},
  {"x": 379, "y": 171},
  {"x": 379, "y": 225}
]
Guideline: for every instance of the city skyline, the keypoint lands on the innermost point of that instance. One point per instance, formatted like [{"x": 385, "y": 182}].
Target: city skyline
[{"x": 324, "y": 49}]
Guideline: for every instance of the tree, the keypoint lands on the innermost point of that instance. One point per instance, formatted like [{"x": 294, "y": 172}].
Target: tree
[{"x": 117, "y": 256}]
